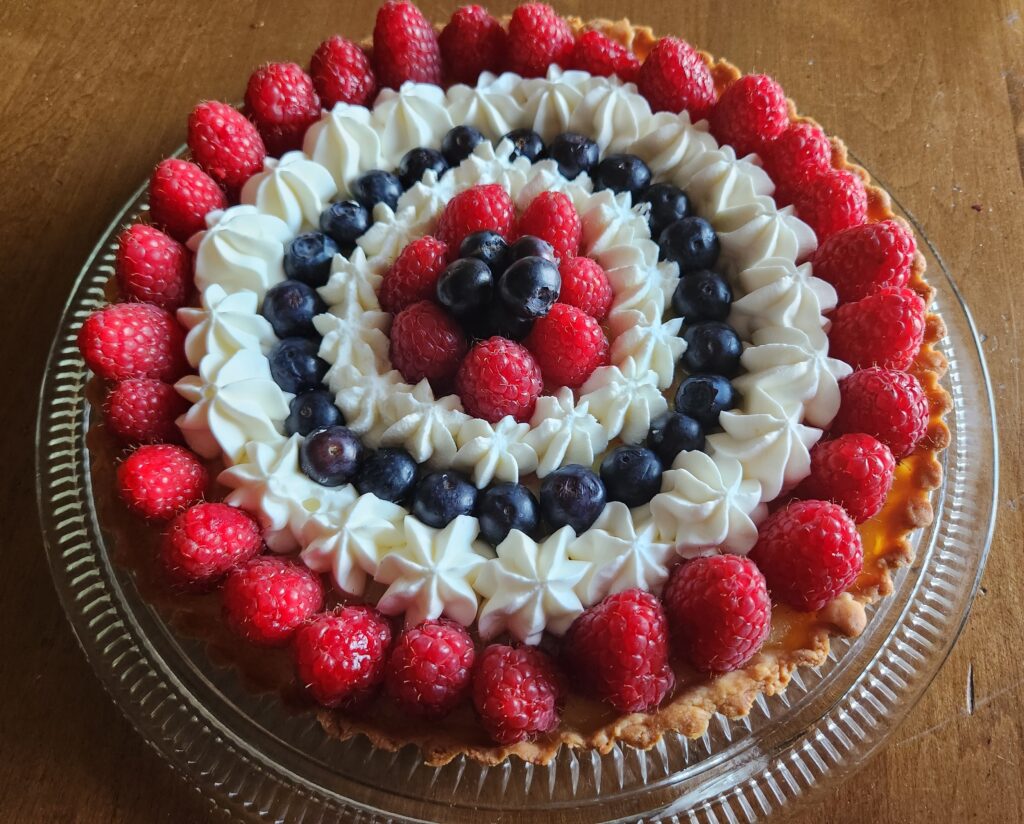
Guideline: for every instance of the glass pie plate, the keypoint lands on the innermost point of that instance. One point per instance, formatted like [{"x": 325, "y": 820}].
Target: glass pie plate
[{"x": 256, "y": 759}]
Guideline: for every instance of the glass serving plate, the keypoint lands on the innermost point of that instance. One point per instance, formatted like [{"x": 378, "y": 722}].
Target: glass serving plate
[{"x": 257, "y": 760}]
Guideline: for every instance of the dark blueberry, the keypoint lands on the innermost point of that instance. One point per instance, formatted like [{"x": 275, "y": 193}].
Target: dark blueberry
[
  {"x": 622, "y": 173},
  {"x": 530, "y": 246},
  {"x": 702, "y": 295},
  {"x": 488, "y": 246},
  {"x": 712, "y": 347},
  {"x": 294, "y": 365},
  {"x": 441, "y": 497},
  {"x": 530, "y": 287},
  {"x": 573, "y": 153},
  {"x": 705, "y": 397},
  {"x": 668, "y": 204},
  {"x": 390, "y": 474},
  {"x": 465, "y": 286},
  {"x": 497, "y": 320},
  {"x": 572, "y": 495},
  {"x": 417, "y": 162},
  {"x": 377, "y": 186},
  {"x": 290, "y": 307},
  {"x": 312, "y": 410},
  {"x": 673, "y": 433},
  {"x": 525, "y": 143},
  {"x": 504, "y": 507},
  {"x": 308, "y": 258},
  {"x": 631, "y": 474},
  {"x": 345, "y": 221},
  {"x": 331, "y": 456},
  {"x": 690, "y": 242},
  {"x": 459, "y": 143}
]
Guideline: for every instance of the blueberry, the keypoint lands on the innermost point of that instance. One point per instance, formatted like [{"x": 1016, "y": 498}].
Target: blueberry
[
  {"x": 690, "y": 242},
  {"x": 331, "y": 456},
  {"x": 497, "y": 320},
  {"x": 377, "y": 186},
  {"x": 573, "y": 153},
  {"x": 294, "y": 365},
  {"x": 631, "y": 474},
  {"x": 713, "y": 347},
  {"x": 465, "y": 286},
  {"x": 345, "y": 221},
  {"x": 488, "y": 246},
  {"x": 702, "y": 295},
  {"x": 530, "y": 287},
  {"x": 530, "y": 246},
  {"x": 622, "y": 173},
  {"x": 308, "y": 258},
  {"x": 311, "y": 410},
  {"x": 441, "y": 497},
  {"x": 504, "y": 507},
  {"x": 705, "y": 397},
  {"x": 525, "y": 143},
  {"x": 417, "y": 162},
  {"x": 572, "y": 495},
  {"x": 290, "y": 307},
  {"x": 390, "y": 474},
  {"x": 673, "y": 433},
  {"x": 459, "y": 143},
  {"x": 668, "y": 204}
]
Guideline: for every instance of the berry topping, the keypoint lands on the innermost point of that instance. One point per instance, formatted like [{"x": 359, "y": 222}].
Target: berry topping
[
  {"x": 705, "y": 397},
  {"x": 331, "y": 456},
  {"x": 573, "y": 496},
  {"x": 530, "y": 287},
  {"x": 861, "y": 260},
  {"x": 465, "y": 286},
  {"x": 341, "y": 73},
  {"x": 390, "y": 474},
  {"x": 668, "y": 204},
  {"x": 884, "y": 329},
  {"x": 267, "y": 599},
  {"x": 159, "y": 480},
  {"x": 750, "y": 113},
  {"x": 516, "y": 693},
  {"x": 702, "y": 296},
  {"x": 133, "y": 340},
  {"x": 568, "y": 344},
  {"x": 691, "y": 243},
  {"x": 345, "y": 221},
  {"x": 601, "y": 56},
  {"x": 312, "y": 410},
  {"x": 712, "y": 347},
  {"x": 180, "y": 195},
  {"x": 459, "y": 143},
  {"x": 417, "y": 162},
  {"x": 529, "y": 246},
  {"x": 551, "y": 216},
  {"x": 308, "y": 258},
  {"x": 430, "y": 668},
  {"x": 206, "y": 541},
  {"x": 290, "y": 307},
  {"x": 152, "y": 267},
  {"x": 377, "y": 186},
  {"x": 225, "y": 144},
  {"x": 282, "y": 102},
  {"x": 673, "y": 433},
  {"x": 440, "y": 497},
  {"x": 143, "y": 410},
  {"x": 832, "y": 201},
  {"x": 674, "y": 77},
  {"x": 585, "y": 286},
  {"x": 574, "y": 153},
  {"x": 886, "y": 404},
  {"x": 427, "y": 342},
  {"x": 414, "y": 274},
  {"x": 498, "y": 320},
  {"x": 488, "y": 246},
  {"x": 537, "y": 38},
  {"x": 525, "y": 143},
  {"x": 471, "y": 43},
  {"x": 295, "y": 365},
  {"x": 504, "y": 507},
  {"x": 801, "y": 152},
  {"x": 622, "y": 173},
  {"x": 473, "y": 210},
  {"x": 497, "y": 378},
  {"x": 631, "y": 474},
  {"x": 405, "y": 46},
  {"x": 854, "y": 471}
]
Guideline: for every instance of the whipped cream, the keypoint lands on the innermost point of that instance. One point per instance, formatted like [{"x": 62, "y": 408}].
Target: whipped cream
[
  {"x": 625, "y": 399},
  {"x": 494, "y": 452},
  {"x": 491, "y": 106},
  {"x": 352, "y": 286},
  {"x": 414, "y": 115},
  {"x": 653, "y": 348},
  {"x": 293, "y": 188},
  {"x": 564, "y": 432},
  {"x": 224, "y": 324},
  {"x": 426, "y": 427},
  {"x": 345, "y": 142},
  {"x": 359, "y": 339},
  {"x": 777, "y": 292}
]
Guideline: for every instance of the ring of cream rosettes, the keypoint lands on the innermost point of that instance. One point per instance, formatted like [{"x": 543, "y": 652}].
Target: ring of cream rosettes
[{"x": 710, "y": 500}]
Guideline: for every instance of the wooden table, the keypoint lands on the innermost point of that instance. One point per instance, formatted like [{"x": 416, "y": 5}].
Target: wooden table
[{"x": 929, "y": 95}]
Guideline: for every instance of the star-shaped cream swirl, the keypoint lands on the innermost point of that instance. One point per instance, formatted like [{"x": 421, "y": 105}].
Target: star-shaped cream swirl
[
  {"x": 225, "y": 324},
  {"x": 365, "y": 398},
  {"x": 424, "y": 426},
  {"x": 494, "y": 451},
  {"x": 353, "y": 285},
  {"x": 361, "y": 341},
  {"x": 625, "y": 399},
  {"x": 654, "y": 347},
  {"x": 564, "y": 432}
]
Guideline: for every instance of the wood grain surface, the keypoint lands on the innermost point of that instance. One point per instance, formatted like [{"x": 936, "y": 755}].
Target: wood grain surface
[{"x": 930, "y": 97}]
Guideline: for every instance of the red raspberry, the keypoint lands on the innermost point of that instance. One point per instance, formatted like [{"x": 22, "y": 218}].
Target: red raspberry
[
  {"x": 133, "y": 340},
  {"x": 476, "y": 209},
  {"x": 537, "y": 38},
  {"x": 152, "y": 267},
  {"x": 618, "y": 651},
  {"x": 884, "y": 329},
  {"x": 225, "y": 143},
  {"x": 718, "y": 611},
  {"x": 340, "y": 656},
  {"x": 405, "y": 46},
  {"x": 413, "y": 276},
  {"x": 674, "y": 77},
  {"x": 601, "y": 56},
  {"x": 180, "y": 195},
  {"x": 801, "y": 152},
  {"x": 471, "y": 43},
  {"x": 854, "y": 471},
  {"x": 552, "y": 217},
  {"x": 430, "y": 669},
  {"x": 750, "y": 113},
  {"x": 143, "y": 410},
  {"x": 809, "y": 552},
  {"x": 886, "y": 404},
  {"x": 267, "y": 599},
  {"x": 159, "y": 480},
  {"x": 831, "y": 202},
  {"x": 499, "y": 378},
  {"x": 568, "y": 344},
  {"x": 206, "y": 541},
  {"x": 863, "y": 259},
  {"x": 585, "y": 286},
  {"x": 427, "y": 342},
  {"x": 516, "y": 693},
  {"x": 341, "y": 73},
  {"x": 282, "y": 102}
]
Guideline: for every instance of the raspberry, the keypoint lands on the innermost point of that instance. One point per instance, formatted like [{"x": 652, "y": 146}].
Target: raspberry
[
  {"x": 143, "y": 410},
  {"x": 516, "y": 693},
  {"x": 568, "y": 345},
  {"x": 884, "y": 329},
  {"x": 552, "y": 217},
  {"x": 430, "y": 668},
  {"x": 750, "y": 113},
  {"x": 413, "y": 276},
  {"x": 180, "y": 195},
  {"x": 476, "y": 209},
  {"x": 152, "y": 267},
  {"x": 585, "y": 286},
  {"x": 340, "y": 656},
  {"x": 537, "y": 38},
  {"x": 404, "y": 46},
  {"x": 266, "y": 599},
  {"x": 282, "y": 102},
  {"x": 854, "y": 471},
  {"x": 831, "y": 202},
  {"x": 471, "y": 43},
  {"x": 864, "y": 259},
  {"x": 225, "y": 144},
  {"x": 674, "y": 77},
  {"x": 618, "y": 651},
  {"x": 598, "y": 54},
  {"x": 809, "y": 552},
  {"x": 341, "y": 73},
  {"x": 499, "y": 378},
  {"x": 426, "y": 342},
  {"x": 159, "y": 480},
  {"x": 133, "y": 340},
  {"x": 718, "y": 609},
  {"x": 800, "y": 153},
  {"x": 886, "y": 404},
  {"x": 206, "y": 541}
]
